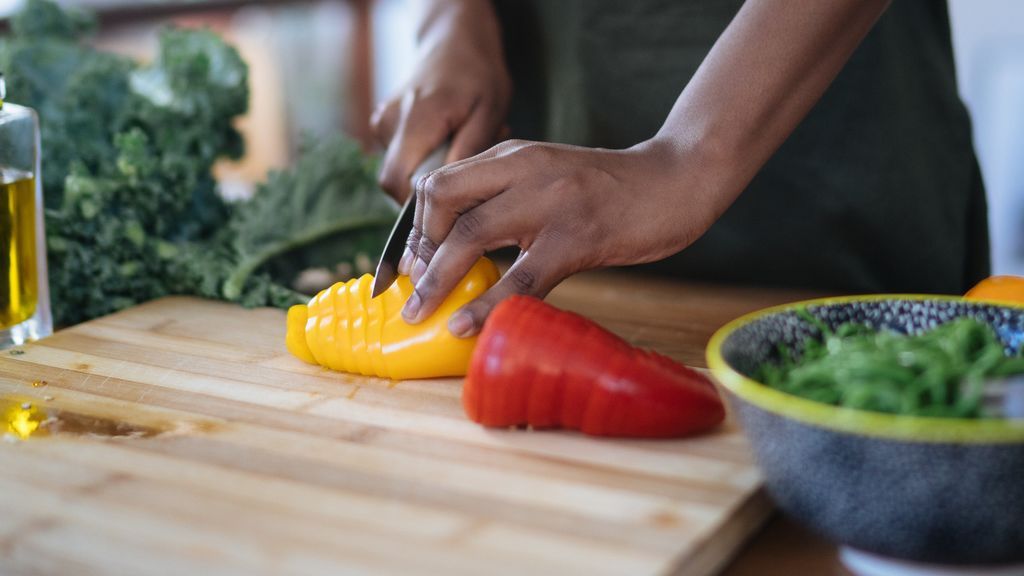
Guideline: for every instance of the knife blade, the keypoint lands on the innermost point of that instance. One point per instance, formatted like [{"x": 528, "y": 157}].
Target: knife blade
[{"x": 387, "y": 268}]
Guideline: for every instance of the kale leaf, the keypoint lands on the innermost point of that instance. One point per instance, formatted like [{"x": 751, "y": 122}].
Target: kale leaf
[{"x": 132, "y": 207}]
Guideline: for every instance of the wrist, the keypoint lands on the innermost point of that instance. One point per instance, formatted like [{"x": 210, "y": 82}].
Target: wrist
[
  {"x": 699, "y": 164},
  {"x": 690, "y": 179},
  {"x": 683, "y": 166},
  {"x": 460, "y": 23}
]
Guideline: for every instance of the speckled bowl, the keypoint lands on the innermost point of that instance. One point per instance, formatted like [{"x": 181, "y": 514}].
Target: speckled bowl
[{"x": 934, "y": 490}]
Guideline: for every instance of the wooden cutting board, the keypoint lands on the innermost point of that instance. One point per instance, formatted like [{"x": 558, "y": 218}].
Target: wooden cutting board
[{"x": 189, "y": 442}]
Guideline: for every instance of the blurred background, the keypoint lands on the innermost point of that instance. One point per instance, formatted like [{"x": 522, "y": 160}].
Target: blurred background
[{"x": 320, "y": 65}]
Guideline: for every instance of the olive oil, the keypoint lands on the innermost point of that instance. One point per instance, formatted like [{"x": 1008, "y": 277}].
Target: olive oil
[
  {"x": 19, "y": 289},
  {"x": 21, "y": 419}
]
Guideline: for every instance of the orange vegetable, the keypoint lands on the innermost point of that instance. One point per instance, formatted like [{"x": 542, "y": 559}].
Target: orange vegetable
[
  {"x": 343, "y": 329},
  {"x": 998, "y": 289}
]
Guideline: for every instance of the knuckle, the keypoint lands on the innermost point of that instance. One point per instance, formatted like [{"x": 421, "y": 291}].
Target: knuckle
[
  {"x": 468, "y": 227},
  {"x": 413, "y": 242},
  {"x": 510, "y": 146},
  {"x": 537, "y": 153},
  {"x": 433, "y": 185},
  {"x": 420, "y": 187},
  {"x": 427, "y": 248},
  {"x": 420, "y": 196},
  {"x": 523, "y": 280},
  {"x": 437, "y": 187},
  {"x": 434, "y": 102}
]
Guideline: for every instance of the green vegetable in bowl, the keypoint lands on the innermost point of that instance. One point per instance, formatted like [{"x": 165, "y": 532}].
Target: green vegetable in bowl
[{"x": 940, "y": 372}]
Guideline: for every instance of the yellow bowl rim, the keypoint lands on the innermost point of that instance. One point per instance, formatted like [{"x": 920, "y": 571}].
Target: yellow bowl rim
[{"x": 849, "y": 420}]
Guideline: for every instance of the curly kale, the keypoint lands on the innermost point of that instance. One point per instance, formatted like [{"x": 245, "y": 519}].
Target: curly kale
[
  {"x": 132, "y": 207},
  {"x": 325, "y": 210}
]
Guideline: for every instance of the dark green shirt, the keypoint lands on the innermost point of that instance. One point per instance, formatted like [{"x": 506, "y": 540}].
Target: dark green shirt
[{"x": 877, "y": 190}]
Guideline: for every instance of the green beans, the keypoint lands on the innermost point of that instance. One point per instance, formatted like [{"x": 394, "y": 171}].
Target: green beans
[{"x": 937, "y": 373}]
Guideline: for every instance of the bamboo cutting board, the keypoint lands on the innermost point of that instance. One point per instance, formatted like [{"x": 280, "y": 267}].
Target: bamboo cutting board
[{"x": 187, "y": 441}]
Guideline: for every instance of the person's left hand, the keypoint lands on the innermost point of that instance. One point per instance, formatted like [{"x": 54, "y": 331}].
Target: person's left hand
[{"x": 567, "y": 208}]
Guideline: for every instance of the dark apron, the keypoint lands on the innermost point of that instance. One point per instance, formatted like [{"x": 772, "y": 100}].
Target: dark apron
[{"x": 877, "y": 190}]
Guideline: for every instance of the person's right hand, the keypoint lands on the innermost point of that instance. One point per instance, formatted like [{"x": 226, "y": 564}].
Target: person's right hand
[{"x": 460, "y": 91}]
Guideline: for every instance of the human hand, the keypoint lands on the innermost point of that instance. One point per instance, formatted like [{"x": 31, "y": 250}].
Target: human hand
[
  {"x": 567, "y": 208},
  {"x": 461, "y": 90}
]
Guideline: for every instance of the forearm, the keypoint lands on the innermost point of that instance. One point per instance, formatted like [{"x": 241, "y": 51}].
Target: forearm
[
  {"x": 471, "y": 21},
  {"x": 760, "y": 79}
]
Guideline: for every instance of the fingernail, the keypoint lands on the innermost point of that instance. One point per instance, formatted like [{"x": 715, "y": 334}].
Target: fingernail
[
  {"x": 417, "y": 270},
  {"x": 405, "y": 262},
  {"x": 461, "y": 324},
  {"x": 411, "y": 308}
]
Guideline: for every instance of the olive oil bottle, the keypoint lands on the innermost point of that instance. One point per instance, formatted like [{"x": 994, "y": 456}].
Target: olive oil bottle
[
  {"x": 24, "y": 289},
  {"x": 20, "y": 293}
]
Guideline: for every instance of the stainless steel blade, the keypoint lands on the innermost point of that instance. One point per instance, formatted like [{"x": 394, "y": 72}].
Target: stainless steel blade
[{"x": 387, "y": 268}]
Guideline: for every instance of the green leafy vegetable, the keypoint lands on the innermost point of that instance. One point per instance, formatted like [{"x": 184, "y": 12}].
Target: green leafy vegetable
[
  {"x": 132, "y": 207},
  {"x": 330, "y": 192},
  {"x": 939, "y": 373}
]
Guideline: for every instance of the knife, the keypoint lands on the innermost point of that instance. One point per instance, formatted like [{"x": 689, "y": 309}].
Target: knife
[{"x": 387, "y": 268}]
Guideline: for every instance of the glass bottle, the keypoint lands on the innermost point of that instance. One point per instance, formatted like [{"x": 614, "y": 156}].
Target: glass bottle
[{"x": 24, "y": 286}]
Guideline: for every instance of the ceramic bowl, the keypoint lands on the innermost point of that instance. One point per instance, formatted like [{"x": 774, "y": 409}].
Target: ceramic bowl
[{"x": 934, "y": 490}]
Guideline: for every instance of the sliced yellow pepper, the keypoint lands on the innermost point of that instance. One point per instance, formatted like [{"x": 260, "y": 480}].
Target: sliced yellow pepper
[{"x": 344, "y": 329}]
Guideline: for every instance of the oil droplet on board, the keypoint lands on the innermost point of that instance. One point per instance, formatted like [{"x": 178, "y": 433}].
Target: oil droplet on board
[
  {"x": 38, "y": 383},
  {"x": 21, "y": 420}
]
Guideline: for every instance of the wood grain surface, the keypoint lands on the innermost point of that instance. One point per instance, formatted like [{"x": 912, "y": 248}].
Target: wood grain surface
[{"x": 187, "y": 441}]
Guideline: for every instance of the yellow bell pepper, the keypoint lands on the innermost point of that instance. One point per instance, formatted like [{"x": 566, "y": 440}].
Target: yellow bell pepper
[{"x": 344, "y": 329}]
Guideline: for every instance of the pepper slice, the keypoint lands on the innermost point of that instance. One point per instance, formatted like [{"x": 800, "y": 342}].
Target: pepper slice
[
  {"x": 313, "y": 329},
  {"x": 374, "y": 332},
  {"x": 329, "y": 330},
  {"x": 358, "y": 292},
  {"x": 295, "y": 336},
  {"x": 545, "y": 399},
  {"x": 343, "y": 307}
]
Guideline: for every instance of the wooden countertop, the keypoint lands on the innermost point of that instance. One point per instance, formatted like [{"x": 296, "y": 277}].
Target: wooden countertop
[{"x": 187, "y": 440}]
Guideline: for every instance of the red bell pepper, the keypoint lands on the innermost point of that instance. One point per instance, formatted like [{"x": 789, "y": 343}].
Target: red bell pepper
[{"x": 537, "y": 365}]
